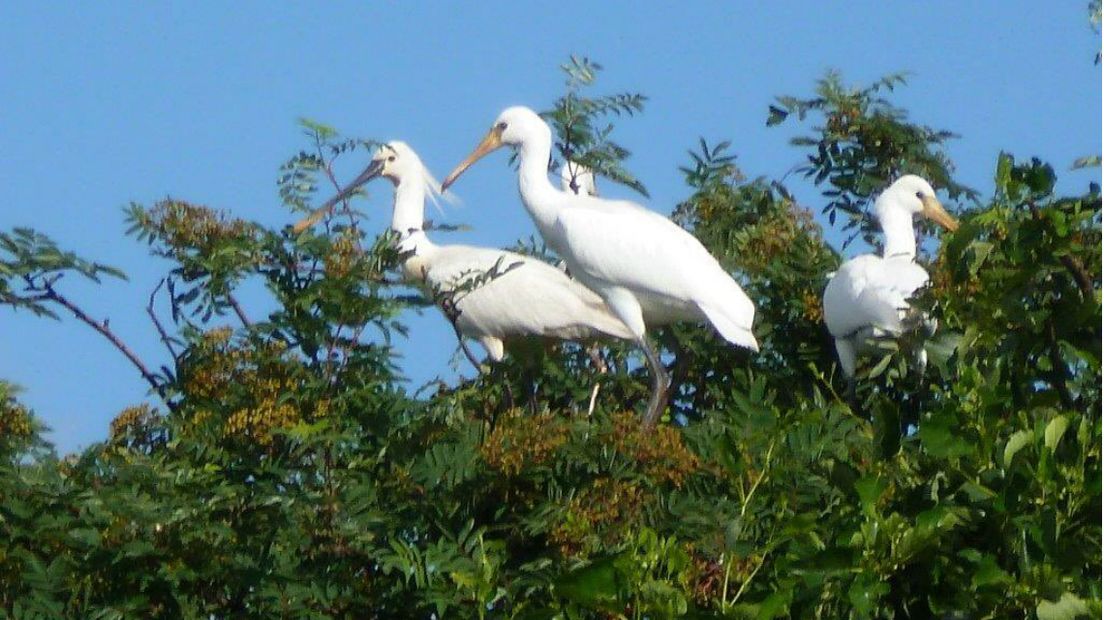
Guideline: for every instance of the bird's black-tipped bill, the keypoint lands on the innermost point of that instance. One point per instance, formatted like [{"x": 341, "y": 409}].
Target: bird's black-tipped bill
[{"x": 372, "y": 171}]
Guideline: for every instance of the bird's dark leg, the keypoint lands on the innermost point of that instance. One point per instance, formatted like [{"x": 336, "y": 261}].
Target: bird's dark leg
[
  {"x": 658, "y": 401},
  {"x": 680, "y": 366},
  {"x": 498, "y": 375},
  {"x": 595, "y": 355}
]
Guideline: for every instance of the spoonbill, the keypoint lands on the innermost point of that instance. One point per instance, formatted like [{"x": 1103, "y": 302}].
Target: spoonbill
[
  {"x": 498, "y": 294},
  {"x": 868, "y": 296},
  {"x": 646, "y": 268}
]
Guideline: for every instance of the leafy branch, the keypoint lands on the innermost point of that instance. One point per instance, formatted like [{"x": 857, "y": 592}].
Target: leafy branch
[
  {"x": 583, "y": 133},
  {"x": 863, "y": 145}
]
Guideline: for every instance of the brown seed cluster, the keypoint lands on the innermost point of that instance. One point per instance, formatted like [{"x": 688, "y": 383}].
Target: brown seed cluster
[
  {"x": 344, "y": 254},
  {"x": 777, "y": 235},
  {"x": 131, "y": 421},
  {"x": 251, "y": 381},
  {"x": 945, "y": 285},
  {"x": 607, "y": 502},
  {"x": 184, "y": 225},
  {"x": 521, "y": 441},
  {"x": 15, "y": 420},
  {"x": 659, "y": 452},
  {"x": 813, "y": 310}
]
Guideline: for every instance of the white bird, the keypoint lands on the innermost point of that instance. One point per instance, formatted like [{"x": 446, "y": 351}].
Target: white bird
[
  {"x": 524, "y": 296},
  {"x": 646, "y": 268},
  {"x": 868, "y": 296}
]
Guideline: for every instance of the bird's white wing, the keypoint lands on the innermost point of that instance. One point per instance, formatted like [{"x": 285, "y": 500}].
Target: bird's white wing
[
  {"x": 624, "y": 244},
  {"x": 523, "y": 295},
  {"x": 639, "y": 249},
  {"x": 870, "y": 291}
]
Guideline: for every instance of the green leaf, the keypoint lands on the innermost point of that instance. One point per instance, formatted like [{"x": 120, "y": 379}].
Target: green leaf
[
  {"x": 1068, "y": 607},
  {"x": 940, "y": 441},
  {"x": 1054, "y": 431},
  {"x": 1016, "y": 442},
  {"x": 989, "y": 574},
  {"x": 870, "y": 490},
  {"x": 596, "y": 583},
  {"x": 776, "y": 115}
]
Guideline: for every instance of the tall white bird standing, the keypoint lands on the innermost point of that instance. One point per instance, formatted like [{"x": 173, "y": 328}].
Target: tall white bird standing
[
  {"x": 524, "y": 296},
  {"x": 868, "y": 297},
  {"x": 646, "y": 268}
]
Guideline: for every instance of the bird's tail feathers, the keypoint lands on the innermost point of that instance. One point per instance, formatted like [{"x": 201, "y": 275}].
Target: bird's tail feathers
[{"x": 730, "y": 327}]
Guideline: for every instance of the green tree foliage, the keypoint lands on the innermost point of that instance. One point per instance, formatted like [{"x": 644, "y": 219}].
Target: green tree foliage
[{"x": 287, "y": 472}]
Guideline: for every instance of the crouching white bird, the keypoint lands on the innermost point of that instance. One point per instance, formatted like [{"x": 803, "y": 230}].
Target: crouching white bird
[
  {"x": 869, "y": 296},
  {"x": 646, "y": 268},
  {"x": 498, "y": 294}
]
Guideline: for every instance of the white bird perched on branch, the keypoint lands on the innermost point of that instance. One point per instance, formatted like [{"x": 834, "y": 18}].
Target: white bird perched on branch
[
  {"x": 497, "y": 294},
  {"x": 646, "y": 268},
  {"x": 868, "y": 296}
]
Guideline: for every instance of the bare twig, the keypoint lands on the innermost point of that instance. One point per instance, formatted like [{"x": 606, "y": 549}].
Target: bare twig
[
  {"x": 105, "y": 331},
  {"x": 328, "y": 169},
  {"x": 157, "y": 322},
  {"x": 467, "y": 351},
  {"x": 238, "y": 310}
]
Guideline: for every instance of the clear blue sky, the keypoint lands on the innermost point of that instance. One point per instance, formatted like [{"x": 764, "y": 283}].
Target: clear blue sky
[{"x": 109, "y": 103}]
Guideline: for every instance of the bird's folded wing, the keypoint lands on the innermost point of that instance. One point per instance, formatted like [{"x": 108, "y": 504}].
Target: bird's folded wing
[
  {"x": 871, "y": 291},
  {"x": 636, "y": 248}
]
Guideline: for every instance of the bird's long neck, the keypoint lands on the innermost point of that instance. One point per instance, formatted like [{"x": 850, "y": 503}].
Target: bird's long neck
[
  {"x": 408, "y": 214},
  {"x": 537, "y": 192},
  {"x": 900, "y": 239}
]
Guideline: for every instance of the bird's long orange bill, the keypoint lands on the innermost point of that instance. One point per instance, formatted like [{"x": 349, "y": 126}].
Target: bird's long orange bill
[
  {"x": 934, "y": 211},
  {"x": 491, "y": 141},
  {"x": 372, "y": 171}
]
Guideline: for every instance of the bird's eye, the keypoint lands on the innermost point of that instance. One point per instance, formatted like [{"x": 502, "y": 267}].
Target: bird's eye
[
  {"x": 392, "y": 158},
  {"x": 501, "y": 126},
  {"x": 920, "y": 195}
]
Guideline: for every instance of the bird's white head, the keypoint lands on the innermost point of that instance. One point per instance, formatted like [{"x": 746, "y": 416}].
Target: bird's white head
[
  {"x": 516, "y": 126},
  {"x": 398, "y": 162},
  {"x": 913, "y": 195},
  {"x": 395, "y": 161}
]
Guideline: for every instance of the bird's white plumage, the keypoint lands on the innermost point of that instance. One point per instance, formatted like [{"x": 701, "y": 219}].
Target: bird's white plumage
[
  {"x": 526, "y": 297},
  {"x": 670, "y": 273},
  {"x": 869, "y": 295},
  {"x": 530, "y": 297},
  {"x": 648, "y": 269},
  {"x": 869, "y": 290}
]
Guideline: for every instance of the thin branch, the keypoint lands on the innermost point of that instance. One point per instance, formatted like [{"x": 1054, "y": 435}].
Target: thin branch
[
  {"x": 328, "y": 169},
  {"x": 1080, "y": 276},
  {"x": 105, "y": 331},
  {"x": 464, "y": 347},
  {"x": 1071, "y": 263},
  {"x": 157, "y": 322},
  {"x": 238, "y": 310}
]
